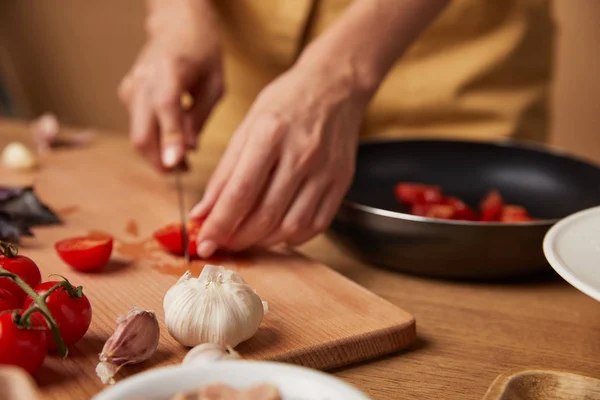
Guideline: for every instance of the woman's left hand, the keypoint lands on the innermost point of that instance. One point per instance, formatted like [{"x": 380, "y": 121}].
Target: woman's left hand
[{"x": 288, "y": 165}]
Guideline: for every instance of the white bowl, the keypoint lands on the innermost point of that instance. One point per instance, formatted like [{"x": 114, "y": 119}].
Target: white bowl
[
  {"x": 294, "y": 382},
  {"x": 572, "y": 247}
]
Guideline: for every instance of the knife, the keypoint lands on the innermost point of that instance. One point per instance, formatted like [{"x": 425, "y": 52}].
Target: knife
[
  {"x": 183, "y": 217},
  {"x": 186, "y": 103}
]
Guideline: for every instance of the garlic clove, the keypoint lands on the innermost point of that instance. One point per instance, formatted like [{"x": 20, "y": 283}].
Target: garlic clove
[
  {"x": 17, "y": 156},
  {"x": 134, "y": 340},
  {"x": 210, "y": 352}
]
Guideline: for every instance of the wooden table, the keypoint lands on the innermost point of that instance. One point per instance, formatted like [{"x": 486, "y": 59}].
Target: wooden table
[{"x": 468, "y": 333}]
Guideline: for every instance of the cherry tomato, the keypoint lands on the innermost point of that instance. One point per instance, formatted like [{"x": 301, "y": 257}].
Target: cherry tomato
[
  {"x": 491, "y": 206},
  {"x": 72, "y": 312},
  {"x": 512, "y": 213},
  {"x": 169, "y": 237},
  {"x": 86, "y": 253},
  {"x": 441, "y": 212},
  {"x": 21, "y": 347},
  {"x": 9, "y": 301},
  {"x": 462, "y": 211},
  {"x": 25, "y": 268},
  {"x": 417, "y": 193}
]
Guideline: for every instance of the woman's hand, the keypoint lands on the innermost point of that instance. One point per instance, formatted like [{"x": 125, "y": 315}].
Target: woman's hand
[
  {"x": 182, "y": 54},
  {"x": 288, "y": 165}
]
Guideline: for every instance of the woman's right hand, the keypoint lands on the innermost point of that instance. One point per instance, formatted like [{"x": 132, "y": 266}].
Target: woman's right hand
[{"x": 182, "y": 54}]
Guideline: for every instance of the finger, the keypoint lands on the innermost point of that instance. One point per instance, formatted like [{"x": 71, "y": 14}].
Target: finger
[
  {"x": 207, "y": 97},
  {"x": 298, "y": 221},
  {"x": 242, "y": 190},
  {"x": 222, "y": 173},
  {"x": 271, "y": 210},
  {"x": 167, "y": 103},
  {"x": 329, "y": 207},
  {"x": 125, "y": 90},
  {"x": 144, "y": 128}
]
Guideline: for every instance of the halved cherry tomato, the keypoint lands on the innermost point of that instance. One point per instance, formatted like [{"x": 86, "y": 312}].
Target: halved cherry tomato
[
  {"x": 462, "y": 211},
  {"x": 9, "y": 301},
  {"x": 441, "y": 211},
  {"x": 513, "y": 213},
  {"x": 86, "y": 253},
  {"x": 71, "y": 310},
  {"x": 19, "y": 346},
  {"x": 25, "y": 268},
  {"x": 170, "y": 237},
  {"x": 416, "y": 193},
  {"x": 491, "y": 206}
]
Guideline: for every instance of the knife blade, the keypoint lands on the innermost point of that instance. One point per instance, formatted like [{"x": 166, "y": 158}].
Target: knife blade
[
  {"x": 186, "y": 102},
  {"x": 182, "y": 217}
]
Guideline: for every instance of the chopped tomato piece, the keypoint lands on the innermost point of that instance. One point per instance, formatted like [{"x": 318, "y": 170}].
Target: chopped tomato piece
[
  {"x": 462, "y": 211},
  {"x": 441, "y": 211},
  {"x": 416, "y": 193},
  {"x": 86, "y": 253},
  {"x": 170, "y": 237},
  {"x": 491, "y": 206},
  {"x": 512, "y": 213},
  {"x": 420, "y": 209}
]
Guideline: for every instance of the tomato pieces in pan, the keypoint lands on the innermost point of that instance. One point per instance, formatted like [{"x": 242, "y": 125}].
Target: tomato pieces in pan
[{"x": 429, "y": 201}]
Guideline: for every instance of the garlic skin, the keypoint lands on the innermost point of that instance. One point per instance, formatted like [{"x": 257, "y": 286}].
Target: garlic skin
[
  {"x": 210, "y": 352},
  {"x": 17, "y": 156},
  {"x": 134, "y": 340},
  {"x": 217, "y": 307}
]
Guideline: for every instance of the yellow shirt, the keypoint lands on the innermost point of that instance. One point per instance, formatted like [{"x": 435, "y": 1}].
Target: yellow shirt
[{"x": 481, "y": 70}]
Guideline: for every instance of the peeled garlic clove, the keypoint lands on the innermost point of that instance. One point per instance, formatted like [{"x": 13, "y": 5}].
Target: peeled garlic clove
[
  {"x": 135, "y": 340},
  {"x": 17, "y": 156},
  {"x": 217, "y": 307},
  {"x": 210, "y": 352}
]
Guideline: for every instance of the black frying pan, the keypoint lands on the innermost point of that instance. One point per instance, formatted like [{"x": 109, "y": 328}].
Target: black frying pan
[{"x": 373, "y": 225}]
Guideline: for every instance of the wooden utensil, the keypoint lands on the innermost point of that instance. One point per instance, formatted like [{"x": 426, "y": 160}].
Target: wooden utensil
[
  {"x": 540, "y": 384},
  {"x": 15, "y": 384}
]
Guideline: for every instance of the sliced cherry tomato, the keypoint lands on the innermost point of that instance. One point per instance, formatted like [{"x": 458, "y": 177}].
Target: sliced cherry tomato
[
  {"x": 462, "y": 211},
  {"x": 25, "y": 268},
  {"x": 441, "y": 212},
  {"x": 9, "y": 301},
  {"x": 70, "y": 308},
  {"x": 86, "y": 253},
  {"x": 491, "y": 206},
  {"x": 21, "y": 347},
  {"x": 513, "y": 213},
  {"x": 170, "y": 237},
  {"x": 416, "y": 193}
]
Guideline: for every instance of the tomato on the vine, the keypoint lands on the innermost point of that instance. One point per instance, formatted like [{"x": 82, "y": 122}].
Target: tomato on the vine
[
  {"x": 169, "y": 237},
  {"x": 9, "y": 301},
  {"x": 20, "y": 346},
  {"x": 69, "y": 307},
  {"x": 86, "y": 253},
  {"x": 25, "y": 268}
]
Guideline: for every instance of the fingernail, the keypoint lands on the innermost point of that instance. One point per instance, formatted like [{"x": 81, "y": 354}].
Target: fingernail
[
  {"x": 206, "y": 248},
  {"x": 170, "y": 156}
]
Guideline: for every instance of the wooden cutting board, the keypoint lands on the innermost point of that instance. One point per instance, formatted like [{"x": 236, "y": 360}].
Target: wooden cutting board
[{"x": 316, "y": 318}]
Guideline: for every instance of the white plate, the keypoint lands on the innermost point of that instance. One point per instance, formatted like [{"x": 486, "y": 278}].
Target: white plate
[
  {"x": 572, "y": 247},
  {"x": 294, "y": 382}
]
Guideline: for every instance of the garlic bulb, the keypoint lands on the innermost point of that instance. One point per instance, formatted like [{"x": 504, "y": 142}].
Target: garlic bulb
[
  {"x": 17, "y": 156},
  {"x": 217, "y": 307},
  {"x": 209, "y": 352}
]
